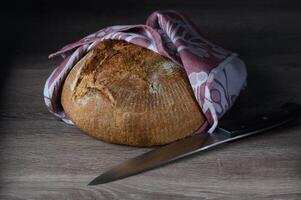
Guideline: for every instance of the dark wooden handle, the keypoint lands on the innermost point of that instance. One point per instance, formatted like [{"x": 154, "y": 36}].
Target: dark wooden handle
[{"x": 288, "y": 112}]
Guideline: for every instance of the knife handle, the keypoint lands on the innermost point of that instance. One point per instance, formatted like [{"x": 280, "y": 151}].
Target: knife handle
[{"x": 288, "y": 112}]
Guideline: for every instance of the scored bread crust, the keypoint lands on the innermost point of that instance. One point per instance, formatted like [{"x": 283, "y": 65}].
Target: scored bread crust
[{"x": 125, "y": 94}]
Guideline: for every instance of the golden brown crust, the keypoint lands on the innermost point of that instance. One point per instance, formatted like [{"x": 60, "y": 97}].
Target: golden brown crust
[{"x": 125, "y": 94}]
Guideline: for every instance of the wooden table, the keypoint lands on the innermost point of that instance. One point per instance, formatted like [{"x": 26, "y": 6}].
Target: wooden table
[{"x": 43, "y": 158}]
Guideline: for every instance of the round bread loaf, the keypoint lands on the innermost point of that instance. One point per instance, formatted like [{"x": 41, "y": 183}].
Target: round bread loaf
[{"x": 122, "y": 93}]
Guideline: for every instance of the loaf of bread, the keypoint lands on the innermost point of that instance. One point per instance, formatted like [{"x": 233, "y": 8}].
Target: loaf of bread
[{"x": 125, "y": 94}]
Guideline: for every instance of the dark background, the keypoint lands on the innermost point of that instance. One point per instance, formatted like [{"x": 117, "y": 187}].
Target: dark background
[
  {"x": 37, "y": 26},
  {"x": 43, "y": 158}
]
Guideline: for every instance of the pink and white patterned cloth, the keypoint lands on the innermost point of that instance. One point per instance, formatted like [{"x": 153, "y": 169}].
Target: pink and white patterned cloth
[{"x": 216, "y": 75}]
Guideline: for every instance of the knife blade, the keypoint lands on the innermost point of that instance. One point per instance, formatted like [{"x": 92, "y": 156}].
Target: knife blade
[{"x": 197, "y": 143}]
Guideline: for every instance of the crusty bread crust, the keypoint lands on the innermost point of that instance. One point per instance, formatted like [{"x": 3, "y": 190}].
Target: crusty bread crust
[{"x": 122, "y": 93}]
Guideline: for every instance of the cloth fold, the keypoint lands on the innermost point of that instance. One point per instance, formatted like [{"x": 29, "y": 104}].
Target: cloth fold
[{"x": 216, "y": 74}]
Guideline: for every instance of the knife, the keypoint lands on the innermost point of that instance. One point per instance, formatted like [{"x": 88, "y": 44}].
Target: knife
[{"x": 197, "y": 143}]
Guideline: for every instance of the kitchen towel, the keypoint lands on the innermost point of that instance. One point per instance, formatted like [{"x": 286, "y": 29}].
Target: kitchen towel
[{"x": 216, "y": 74}]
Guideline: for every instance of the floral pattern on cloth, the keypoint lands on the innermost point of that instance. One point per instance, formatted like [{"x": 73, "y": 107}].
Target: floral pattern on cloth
[{"x": 216, "y": 74}]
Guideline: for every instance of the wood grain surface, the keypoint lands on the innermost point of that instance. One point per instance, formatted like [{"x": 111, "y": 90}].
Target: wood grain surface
[{"x": 43, "y": 158}]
